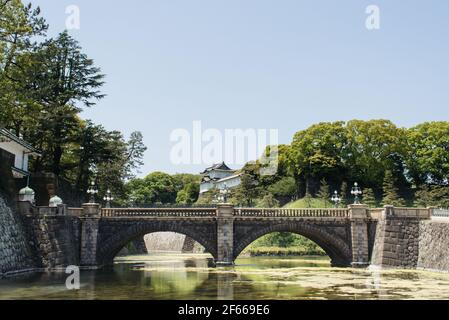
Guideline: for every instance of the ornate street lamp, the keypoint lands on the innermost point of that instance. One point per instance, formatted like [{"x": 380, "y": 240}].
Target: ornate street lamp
[
  {"x": 336, "y": 199},
  {"x": 356, "y": 192},
  {"x": 224, "y": 194},
  {"x": 108, "y": 198},
  {"x": 92, "y": 191}
]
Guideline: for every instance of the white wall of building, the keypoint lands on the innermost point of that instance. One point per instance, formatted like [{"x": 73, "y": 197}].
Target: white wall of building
[
  {"x": 230, "y": 183},
  {"x": 21, "y": 158},
  {"x": 218, "y": 174}
]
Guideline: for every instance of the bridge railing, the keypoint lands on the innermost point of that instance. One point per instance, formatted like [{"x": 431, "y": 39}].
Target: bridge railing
[
  {"x": 441, "y": 213},
  {"x": 291, "y": 213},
  {"x": 158, "y": 212}
]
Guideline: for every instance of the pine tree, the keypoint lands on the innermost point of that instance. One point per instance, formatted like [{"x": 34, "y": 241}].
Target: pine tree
[
  {"x": 369, "y": 198},
  {"x": 268, "y": 201},
  {"x": 391, "y": 194},
  {"x": 308, "y": 198},
  {"x": 324, "y": 192}
]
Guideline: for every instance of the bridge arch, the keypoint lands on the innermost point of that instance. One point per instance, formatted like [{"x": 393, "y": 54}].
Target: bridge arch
[
  {"x": 110, "y": 243},
  {"x": 336, "y": 248}
]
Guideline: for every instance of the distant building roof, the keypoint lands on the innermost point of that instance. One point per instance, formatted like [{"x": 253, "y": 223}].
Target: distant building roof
[
  {"x": 220, "y": 166},
  {"x": 12, "y": 137}
]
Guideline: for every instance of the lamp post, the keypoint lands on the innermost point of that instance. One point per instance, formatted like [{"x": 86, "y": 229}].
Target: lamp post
[
  {"x": 92, "y": 191},
  {"x": 336, "y": 199},
  {"x": 356, "y": 191},
  {"x": 108, "y": 198}
]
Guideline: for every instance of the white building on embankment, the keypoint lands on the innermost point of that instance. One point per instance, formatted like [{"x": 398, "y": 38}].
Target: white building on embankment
[
  {"x": 16, "y": 152},
  {"x": 218, "y": 177}
]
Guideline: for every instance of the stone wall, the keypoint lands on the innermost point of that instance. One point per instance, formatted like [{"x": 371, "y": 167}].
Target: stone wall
[
  {"x": 396, "y": 243},
  {"x": 434, "y": 244},
  {"x": 54, "y": 239},
  {"x": 15, "y": 253}
]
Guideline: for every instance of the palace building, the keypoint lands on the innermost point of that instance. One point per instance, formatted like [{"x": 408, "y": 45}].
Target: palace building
[
  {"x": 218, "y": 177},
  {"x": 16, "y": 152}
]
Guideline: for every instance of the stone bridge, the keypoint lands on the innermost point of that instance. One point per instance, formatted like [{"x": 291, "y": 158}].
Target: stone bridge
[{"x": 354, "y": 236}]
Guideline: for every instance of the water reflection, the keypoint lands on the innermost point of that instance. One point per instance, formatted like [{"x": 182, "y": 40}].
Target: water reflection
[{"x": 170, "y": 276}]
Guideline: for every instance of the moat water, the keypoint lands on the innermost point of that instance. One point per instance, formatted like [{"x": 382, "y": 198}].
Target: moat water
[{"x": 175, "y": 276}]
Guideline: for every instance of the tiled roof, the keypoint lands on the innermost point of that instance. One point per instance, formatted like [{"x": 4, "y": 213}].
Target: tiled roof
[{"x": 219, "y": 166}]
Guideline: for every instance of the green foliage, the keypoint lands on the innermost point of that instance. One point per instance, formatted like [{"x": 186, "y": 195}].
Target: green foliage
[
  {"x": 391, "y": 195},
  {"x": 249, "y": 188},
  {"x": 373, "y": 147},
  {"x": 305, "y": 203},
  {"x": 189, "y": 194},
  {"x": 427, "y": 158},
  {"x": 44, "y": 85},
  {"x": 285, "y": 187},
  {"x": 315, "y": 153},
  {"x": 324, "y": 193},
  {"x": 277, "y": 242},
  {"x": 162, "y": 188},
  {"x": 155, "y": 188},
  {"x": 210, "y": 196},
  {"x": 268, "y": 201},
  {"x": 433, "y": 196},
  {"x": 281, "y": 251},
  {"x": 369, "y": 198}
]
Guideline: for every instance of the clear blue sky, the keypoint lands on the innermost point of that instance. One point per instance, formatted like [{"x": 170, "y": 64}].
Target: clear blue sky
[{"x": 259, "y": 64}]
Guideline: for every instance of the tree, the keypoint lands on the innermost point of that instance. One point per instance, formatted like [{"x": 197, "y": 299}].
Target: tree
[
  {"x": 20, "y": 26},
  {"x": 183, "y": 179},
  {"x": 316, "y": 153},
  {"x": 133, "y": 158},
  {"x": 427, "y": 161},
  {"x": 284, "y": 188},
  {"x": 189, "y": 194},
  {"x": 210, "y": 196},
  {"x": 155, "y": 188},
  {"x": 268, "y": 201},
  {"x": 248, "y": 190},
  {"x": 59, "y": 79},
  {"x": 308, "y": 199},
  {"x": 369, "y": 198},
  {"x": 390, "y": 192},
  {"x": 432, "y": 196},
  {"x": 324, "y": 192},
  {"x": 373, "y": 147}
]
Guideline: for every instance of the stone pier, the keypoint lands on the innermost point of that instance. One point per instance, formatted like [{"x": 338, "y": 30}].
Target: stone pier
[
  {"x": 89, "y": 235},
  {"x": 225, "y": 235},
  {"x": 358, "y": 215}
]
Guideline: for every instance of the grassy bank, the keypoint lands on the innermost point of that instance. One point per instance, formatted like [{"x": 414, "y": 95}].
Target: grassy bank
[
  {"x": 283, "y": 244},
  {"x": 281, "y": 251},
  {"x": 309, "y": 203}
]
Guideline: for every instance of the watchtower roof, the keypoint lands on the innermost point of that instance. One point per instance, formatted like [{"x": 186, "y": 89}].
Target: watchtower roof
[{"x": 220, "y": 166}]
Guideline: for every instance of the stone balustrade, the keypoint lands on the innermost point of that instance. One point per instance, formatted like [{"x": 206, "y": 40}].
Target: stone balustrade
[
  {"x": 291, "y": 213},
  {"x": 158, "y": 212}
]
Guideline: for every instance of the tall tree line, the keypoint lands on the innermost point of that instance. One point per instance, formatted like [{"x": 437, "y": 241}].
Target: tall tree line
[{"x": 400, "y": 166}]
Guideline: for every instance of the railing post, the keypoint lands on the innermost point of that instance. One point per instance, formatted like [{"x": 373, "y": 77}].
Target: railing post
[
  {"x": 89, "y": 235},
  {"x": 431, "y": 211},
  {"x": 358, "y": 214},
  {"x": 225, "y": 235}
]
